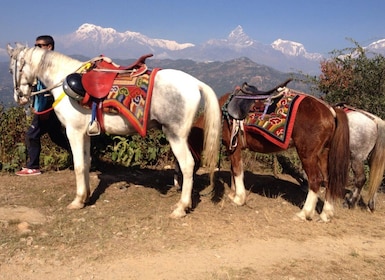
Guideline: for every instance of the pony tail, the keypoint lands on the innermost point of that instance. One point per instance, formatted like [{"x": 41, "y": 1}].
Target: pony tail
[
  {"x": 377, "y": 163},
  {"x": 339, "y": 157},
  {"x": 212, "y": 128}
]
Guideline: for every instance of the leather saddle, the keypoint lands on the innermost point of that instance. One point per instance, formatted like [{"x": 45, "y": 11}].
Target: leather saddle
[
  {"x": 254, "y": 91},
  {"x": 243, "y": 98},
  {"x": 98, "y": 81}
]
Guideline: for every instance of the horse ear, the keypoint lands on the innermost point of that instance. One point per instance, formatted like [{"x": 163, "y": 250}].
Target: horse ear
[
  {"x": 9, "y": 49},
  {"x": 19, "y": 45}
]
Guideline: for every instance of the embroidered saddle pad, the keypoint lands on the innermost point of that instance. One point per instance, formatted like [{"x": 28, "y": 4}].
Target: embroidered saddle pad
[
  {"x": 131, "y": 97},
  {"x": 99, "y": 80},
  {"x": 120, "y": 90},
  {"x": 276, "y": 124}
]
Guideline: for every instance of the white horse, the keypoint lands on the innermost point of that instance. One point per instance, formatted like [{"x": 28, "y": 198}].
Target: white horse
[
  {"x": 175, "y": 100},
  {"x": 367, "y": 142}
]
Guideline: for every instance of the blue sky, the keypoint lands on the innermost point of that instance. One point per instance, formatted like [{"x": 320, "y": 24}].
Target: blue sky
[{"x": 321, "y": 26}]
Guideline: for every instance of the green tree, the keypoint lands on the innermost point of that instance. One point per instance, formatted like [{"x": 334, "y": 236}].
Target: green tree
[{"x": 356, "y": 77}]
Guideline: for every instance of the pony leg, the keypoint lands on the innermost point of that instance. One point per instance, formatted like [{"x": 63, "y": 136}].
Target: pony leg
[
  {"x": 80, "y": 146},
  {"x": 328, "y": 208},
  {"x": 177, "y": 177},
  {"x": 238, "y": 191},
  {"x": 327, "y": 211},
  {"x": 351, "y": 198},
  {"x": 315, "y": 168},
  {"x": 372, "y": 203},
  {"x": 308, "y": 210},
  {"x": 186, "y": 165}
]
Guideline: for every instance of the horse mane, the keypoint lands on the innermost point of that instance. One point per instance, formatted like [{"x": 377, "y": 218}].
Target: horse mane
[{"x": 44, "y": 61}]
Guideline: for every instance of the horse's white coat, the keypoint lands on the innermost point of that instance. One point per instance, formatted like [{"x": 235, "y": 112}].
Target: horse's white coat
[
  {"x": 367, "y": 142},
  {"x": 175, "y": 101},
  {"x": 308, "y": 210}
]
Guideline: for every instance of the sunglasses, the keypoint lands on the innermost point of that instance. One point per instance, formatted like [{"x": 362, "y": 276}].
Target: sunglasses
[{"x": 41, "y": 45}]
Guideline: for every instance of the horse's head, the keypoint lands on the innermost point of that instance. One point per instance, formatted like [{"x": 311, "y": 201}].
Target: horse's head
[{"x": 22, "y": 76}]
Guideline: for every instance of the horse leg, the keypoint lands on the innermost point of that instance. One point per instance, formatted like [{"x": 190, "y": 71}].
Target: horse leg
[
  {"x": 351, "y": 198},
  {"x": 186, "y": 165},
  {"x": 80, "y": 146},
  {"x": 177, "y": 177},
  {"x": 308, "y": 210},
  {"x": 316, "y": 169},
  {"x": 238, "y": 192},
  {"x": 328, "y": 207}
]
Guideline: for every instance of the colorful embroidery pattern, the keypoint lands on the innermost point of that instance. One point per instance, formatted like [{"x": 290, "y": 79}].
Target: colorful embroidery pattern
[{"x": 277, "y": 124}]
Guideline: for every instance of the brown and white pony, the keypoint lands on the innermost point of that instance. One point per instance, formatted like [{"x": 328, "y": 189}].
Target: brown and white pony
[{"x": 320, "y": 135}]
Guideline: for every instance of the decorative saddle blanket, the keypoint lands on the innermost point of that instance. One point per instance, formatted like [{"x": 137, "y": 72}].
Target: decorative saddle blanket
[
  {"x": 276, "y": 122},
  {"x": 131, "y": 97},
  {"x": 125, "y": 91}
]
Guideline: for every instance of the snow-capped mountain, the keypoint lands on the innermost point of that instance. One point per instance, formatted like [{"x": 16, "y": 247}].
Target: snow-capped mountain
[
  {"x": 238, "y": 44},
  {"x": 294, "y": 49},
  {"x": 239, "y": 38},
  {"x": 90, "y": 40},
  {"x": 377, "y": 47}
]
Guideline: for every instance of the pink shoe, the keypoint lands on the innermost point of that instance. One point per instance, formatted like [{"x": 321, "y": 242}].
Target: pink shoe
[{"x": 28, "y": 172}]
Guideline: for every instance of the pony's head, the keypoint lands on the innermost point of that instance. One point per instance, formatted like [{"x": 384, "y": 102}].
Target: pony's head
[{"x": 20, "y": 70}]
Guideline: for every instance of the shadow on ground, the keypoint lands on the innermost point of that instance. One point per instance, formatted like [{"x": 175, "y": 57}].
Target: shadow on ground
[{"x": 163, "y": 180}]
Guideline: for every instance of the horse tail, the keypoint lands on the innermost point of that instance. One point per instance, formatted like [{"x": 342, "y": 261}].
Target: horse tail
[
  {"x": 339, "y": 157},
  {"x": 377, "y": 163},
  {"x": 212, "y": 128}
]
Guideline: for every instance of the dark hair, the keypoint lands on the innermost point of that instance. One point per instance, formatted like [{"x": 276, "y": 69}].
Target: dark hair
[{"x": 47, "y": 39}]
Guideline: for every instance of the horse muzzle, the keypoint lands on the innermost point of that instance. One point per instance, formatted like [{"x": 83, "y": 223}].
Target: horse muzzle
[{"x": 20, "y": 97}]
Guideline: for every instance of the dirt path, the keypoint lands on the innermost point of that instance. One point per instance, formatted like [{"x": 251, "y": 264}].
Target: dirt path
[{"x": 126, "y": 233}]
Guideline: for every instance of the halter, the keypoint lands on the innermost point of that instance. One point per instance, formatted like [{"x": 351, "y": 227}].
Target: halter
[{"x": 17, "y": 76}]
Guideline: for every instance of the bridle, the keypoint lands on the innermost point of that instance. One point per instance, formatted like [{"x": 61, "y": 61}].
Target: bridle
[{"x": 17, "y": 74}]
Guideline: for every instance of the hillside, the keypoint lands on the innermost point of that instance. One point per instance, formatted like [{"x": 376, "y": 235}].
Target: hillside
[{"x": 221, "y": 76}]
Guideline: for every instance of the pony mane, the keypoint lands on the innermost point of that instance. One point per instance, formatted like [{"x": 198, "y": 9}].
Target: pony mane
[{"x": 43, "y": 61}]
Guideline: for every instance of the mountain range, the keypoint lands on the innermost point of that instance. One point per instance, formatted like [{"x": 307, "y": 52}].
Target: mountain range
[
  {"x": 287, "y": 56},
  {"x": 91, "y": 40},
  {"x": 237, "y": 58},
  {"x": 223, "y": 77}
]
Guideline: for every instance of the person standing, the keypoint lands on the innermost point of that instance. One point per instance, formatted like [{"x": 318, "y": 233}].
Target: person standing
[{"x": 44, "y": 120}]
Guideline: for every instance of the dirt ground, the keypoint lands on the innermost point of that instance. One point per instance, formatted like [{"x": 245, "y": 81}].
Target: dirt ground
[{"x": 125, "y": 233}]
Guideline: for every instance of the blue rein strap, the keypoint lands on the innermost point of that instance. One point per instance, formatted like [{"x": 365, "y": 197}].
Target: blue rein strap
[
  {"x": 93, "y": 117},
  {"x": 267, "y": 105}
]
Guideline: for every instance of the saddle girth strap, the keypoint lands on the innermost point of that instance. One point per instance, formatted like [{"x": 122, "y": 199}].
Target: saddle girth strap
[{"x": 237, "y": 127}]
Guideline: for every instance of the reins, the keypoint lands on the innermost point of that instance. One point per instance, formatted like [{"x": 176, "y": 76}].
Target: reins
[
  {"x": 17, "y": 77},
  {"x": 18, "y": 73},
  {"x": 84, "y": 66}
]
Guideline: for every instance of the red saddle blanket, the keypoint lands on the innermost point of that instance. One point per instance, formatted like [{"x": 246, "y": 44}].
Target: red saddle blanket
[
  {"x": 98, "y": 81},
  {"x": 276, "y": 124},
  {"x": 130, "y": 96}
]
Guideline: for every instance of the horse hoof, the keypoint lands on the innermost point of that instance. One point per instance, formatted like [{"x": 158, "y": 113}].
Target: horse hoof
[
  {"x": 300, "y": 216},
  {"x": 371, "y": 206},
  {"x": 346, "y": 204},
  {"x": 177, "y": 214},
  {"x": 324, "y": 218},
  {"x": 237, "y": 200},
  {"x": 231, "y": 195},
  {"x": 75, "y": 205}
]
